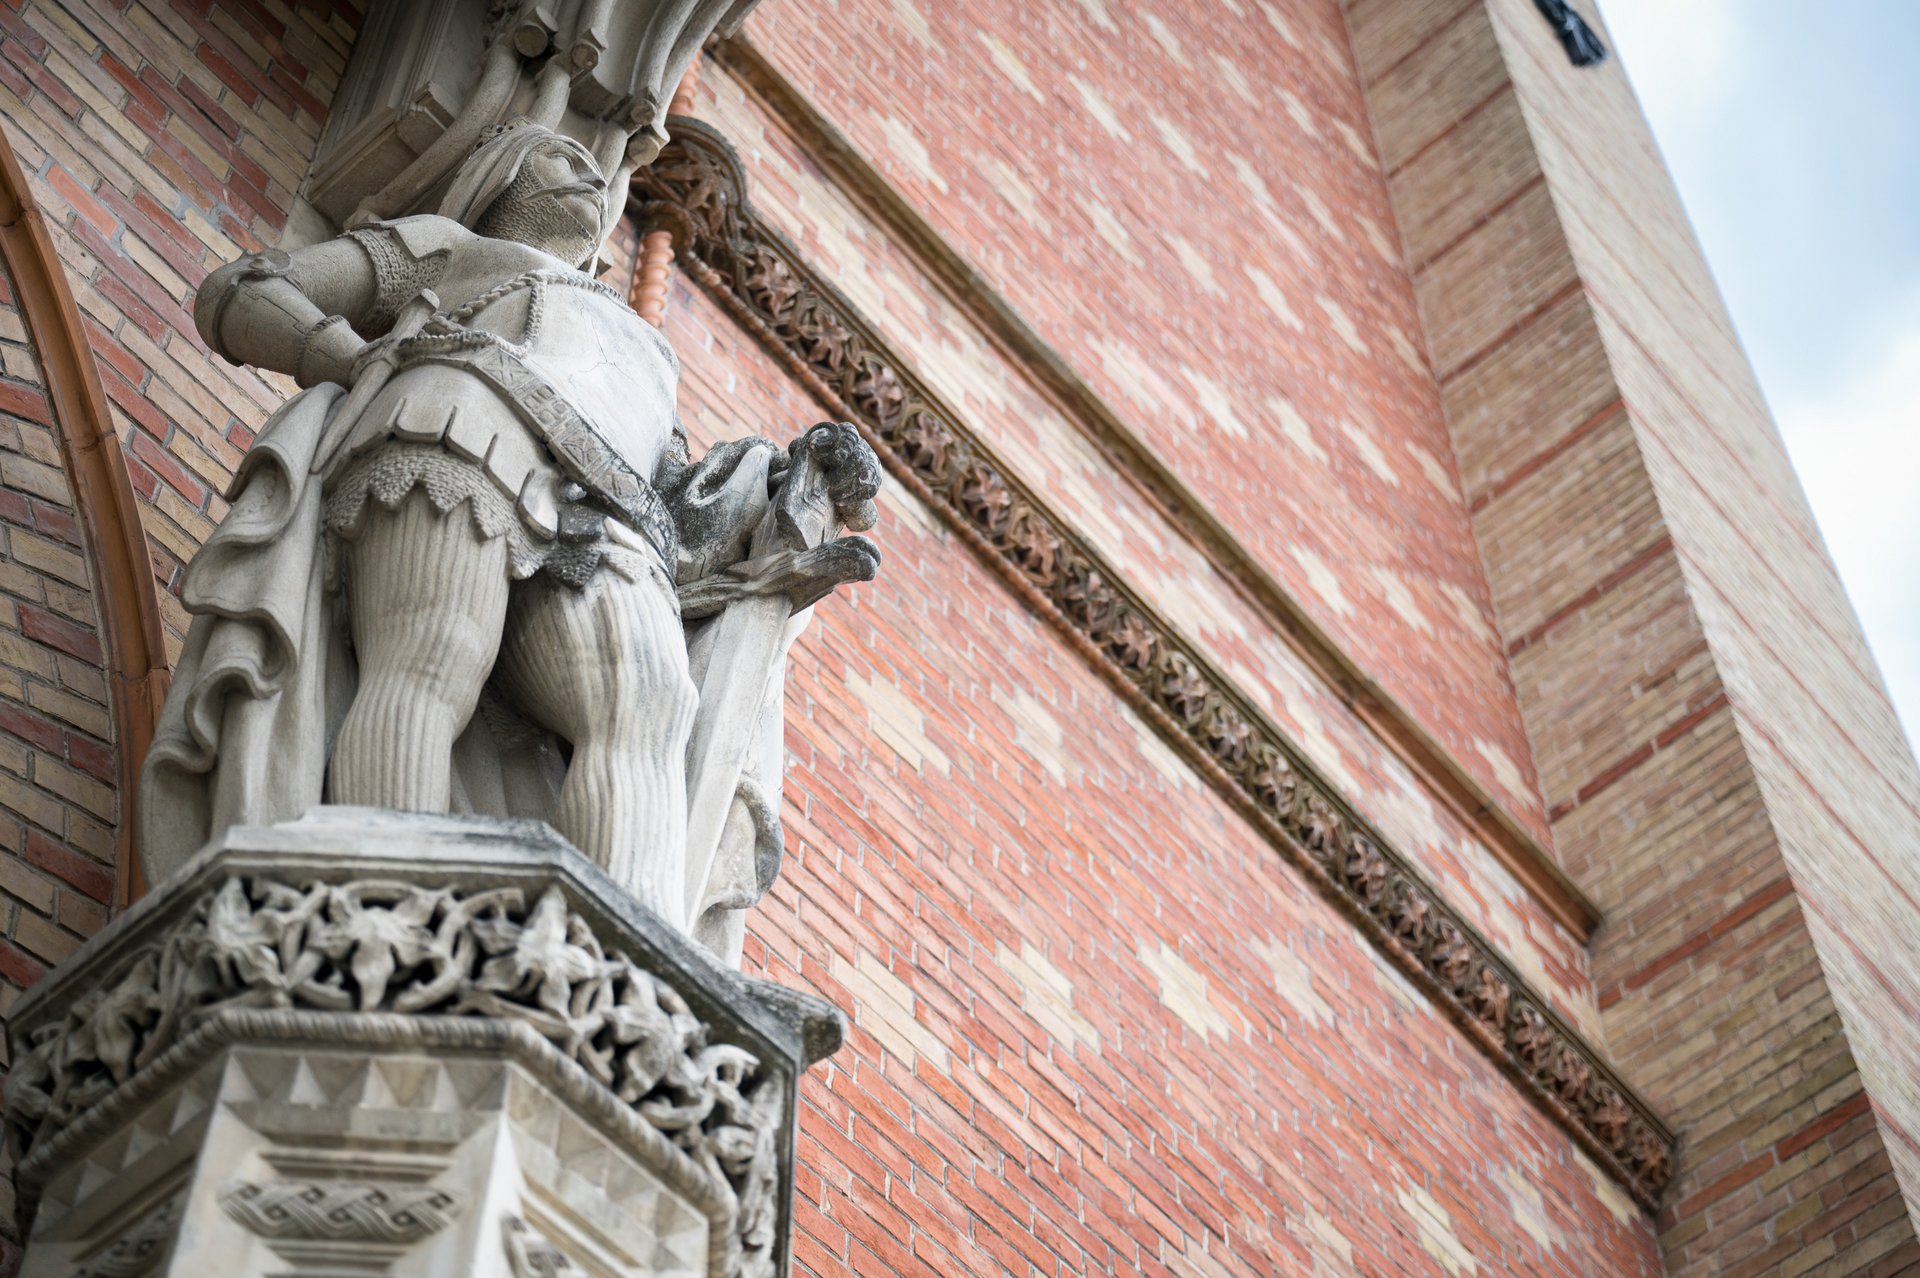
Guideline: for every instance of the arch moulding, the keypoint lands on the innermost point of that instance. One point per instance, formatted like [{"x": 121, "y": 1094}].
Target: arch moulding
[{"x": 124, "y": 592}]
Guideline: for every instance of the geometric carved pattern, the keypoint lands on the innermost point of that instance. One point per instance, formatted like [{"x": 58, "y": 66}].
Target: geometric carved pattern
[
  {"x": 531, "y": 1254},
  {"x": 341, "y": 1211},
  {"x": 697, "y": 190},
  {"x": 141, "y": 1250},
  {"x": 378, "y": 1203}
]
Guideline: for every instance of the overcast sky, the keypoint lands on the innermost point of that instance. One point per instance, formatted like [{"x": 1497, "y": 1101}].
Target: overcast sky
[{"x": 1793, "y": 131}]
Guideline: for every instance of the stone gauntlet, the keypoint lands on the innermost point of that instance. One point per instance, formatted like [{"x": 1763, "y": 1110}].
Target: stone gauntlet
[{"x": 251, "y": 312}]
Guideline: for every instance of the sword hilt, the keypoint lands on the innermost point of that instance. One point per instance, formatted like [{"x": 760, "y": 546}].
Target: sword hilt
[{"x": 372, "y": 371}]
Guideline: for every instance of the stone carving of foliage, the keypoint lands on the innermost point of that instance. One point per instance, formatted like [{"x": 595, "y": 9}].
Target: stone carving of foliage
[
  {"x": 1035, "y": 548},
  {"x": 1533, "y": 1040},
  {"x": 1571, "y": 1077},
  {"x": 1449, "y": 957},
  {"x": 392, "y": 947},
  {"x": 1407, "y": 915},
  {"x": 1365, "y": 870},
  {"x": 1490, "y": 997},
  {"x": 1610, "y": 1116}
]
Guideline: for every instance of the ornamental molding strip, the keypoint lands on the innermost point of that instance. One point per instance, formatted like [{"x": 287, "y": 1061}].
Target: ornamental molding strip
[
  {"x": 397, "y": 1215},
  {"x": 696, "y": 189}
]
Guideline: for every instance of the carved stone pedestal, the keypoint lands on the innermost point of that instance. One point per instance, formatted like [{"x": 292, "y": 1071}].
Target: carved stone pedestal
[{"x": 365, "y": 1043}]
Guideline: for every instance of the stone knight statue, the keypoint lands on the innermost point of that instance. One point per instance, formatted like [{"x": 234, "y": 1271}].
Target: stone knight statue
[{"x": 473, "y": 568}]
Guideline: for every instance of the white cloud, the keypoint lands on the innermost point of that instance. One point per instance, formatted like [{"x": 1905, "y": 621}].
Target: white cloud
[
  {"x": 1857, "y": 450},
  {"x": 1683, "y": 57},
  {"x": 1764, "y": 120}
]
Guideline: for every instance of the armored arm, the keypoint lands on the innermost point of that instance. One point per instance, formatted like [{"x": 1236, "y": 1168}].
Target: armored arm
[{"x": 292, "y": 312}]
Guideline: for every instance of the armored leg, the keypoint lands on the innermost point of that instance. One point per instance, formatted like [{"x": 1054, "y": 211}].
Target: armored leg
[
  {"x": 428, "y": 596},
  {"x": 606, "y": 669}
]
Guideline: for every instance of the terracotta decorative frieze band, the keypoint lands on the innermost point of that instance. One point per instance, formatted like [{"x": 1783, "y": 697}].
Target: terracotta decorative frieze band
[{"x": 697, "y": 190}]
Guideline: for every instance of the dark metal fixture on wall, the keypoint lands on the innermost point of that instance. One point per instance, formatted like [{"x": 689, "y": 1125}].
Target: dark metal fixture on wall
[{"x": 1583, "y": 46}]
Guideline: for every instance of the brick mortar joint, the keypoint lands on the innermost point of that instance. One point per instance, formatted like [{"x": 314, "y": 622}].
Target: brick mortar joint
[{"x": 697, "y": 190}]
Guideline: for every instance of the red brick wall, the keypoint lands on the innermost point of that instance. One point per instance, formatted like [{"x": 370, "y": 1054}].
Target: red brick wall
[
  {"x": 1182, "y": 199},
  {"x": 159, "y": 140},
  {"x": 999, "y": 398},
  {"x": 163, "y": 138},
  {"x": 58, "y": 775}
]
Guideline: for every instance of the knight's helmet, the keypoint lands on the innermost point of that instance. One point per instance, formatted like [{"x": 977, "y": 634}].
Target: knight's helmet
[{"x": 497, "y": 160}]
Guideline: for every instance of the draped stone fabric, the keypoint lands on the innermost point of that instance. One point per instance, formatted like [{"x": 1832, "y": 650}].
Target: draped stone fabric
[{"x": 265, "y": 677}]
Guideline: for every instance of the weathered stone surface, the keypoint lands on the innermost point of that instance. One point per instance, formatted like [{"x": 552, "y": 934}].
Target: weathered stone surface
[{"x": 368, "y": 1042}]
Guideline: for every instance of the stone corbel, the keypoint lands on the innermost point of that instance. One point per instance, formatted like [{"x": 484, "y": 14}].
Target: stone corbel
[
  {"x": 368, "y": 1042},
  {"x": 429, "y": 77}
]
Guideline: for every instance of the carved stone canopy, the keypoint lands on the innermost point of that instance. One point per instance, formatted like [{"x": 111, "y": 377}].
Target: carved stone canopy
[{"x": 428, "y": 77}]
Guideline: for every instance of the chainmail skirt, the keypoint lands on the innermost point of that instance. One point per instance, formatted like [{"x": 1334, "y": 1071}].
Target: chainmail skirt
[{"x": 386, "y": 475}]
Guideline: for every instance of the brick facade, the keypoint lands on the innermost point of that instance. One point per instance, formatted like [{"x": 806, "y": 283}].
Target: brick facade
[
  {"x": 1463, "y": 390},
  {"x": 1721, "y": 766},
  {"x": 1039, "y": 440},
  {"x": 163, "y": 139},
  {"x": 1097, "y": 1026},
  {"x": 1273, "y": 354},
  {"x": 57, "y": 770}
]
